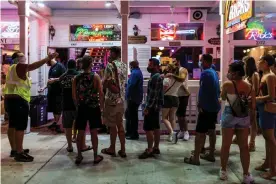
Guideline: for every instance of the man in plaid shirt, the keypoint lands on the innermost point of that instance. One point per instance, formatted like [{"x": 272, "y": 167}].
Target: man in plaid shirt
[{"x": 154, "y": 103}]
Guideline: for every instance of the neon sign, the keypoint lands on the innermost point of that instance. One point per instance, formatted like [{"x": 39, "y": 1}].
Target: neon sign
[
  {"x": 86, "y": 32},
  {"x": 237, "y": 12},
  {"x": 168, "y": 32},
  {"x": 256, "y": 31}
]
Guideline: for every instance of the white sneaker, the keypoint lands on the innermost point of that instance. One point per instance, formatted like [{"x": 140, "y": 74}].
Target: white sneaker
[
  {"x": 186, "y": 136},
  {"x": 248, "y": 179},
  {"x": 180, "y": 135},
  {"x": 170, "y": 138},
  {"x": 223, "y": 175}
]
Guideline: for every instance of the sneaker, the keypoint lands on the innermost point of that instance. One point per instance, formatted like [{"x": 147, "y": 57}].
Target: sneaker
[
  {"x": 156, "y": 151},
  {"x": 248, "y": 179},
  {"x": 13, "y": 152},
  {"x": 170, "y": 138},
  {"x": 23, "y": 157},
  {"x": 186, "y": 136},
  {"x": 223, "y": 175},
  {"x": 180, "y": 135}
]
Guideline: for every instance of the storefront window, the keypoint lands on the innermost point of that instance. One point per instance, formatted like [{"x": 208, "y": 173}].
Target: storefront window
[
  {"x": 95, "y": 32},
  {"x": 182, "y": 31},
  {"x": 257, "y": 30}
]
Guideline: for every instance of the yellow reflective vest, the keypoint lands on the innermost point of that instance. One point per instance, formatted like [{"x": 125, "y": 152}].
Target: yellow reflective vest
[{"x": 17, "y": 86}]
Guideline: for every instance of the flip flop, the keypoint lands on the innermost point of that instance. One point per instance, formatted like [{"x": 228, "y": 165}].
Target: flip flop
[
  {"x": 268, "y": 175},
  {"x": 87, "y": 149},
  {"x": 261, "y": 168},
  {"x": 208, "y": 157},
  {"x": 98, "y": 161},
  {"x": 121, "y": 154},
  {"x": 191, "y": 161},
  {"x": 78, "y": 160},
  {"x": 105, "y": 151}
]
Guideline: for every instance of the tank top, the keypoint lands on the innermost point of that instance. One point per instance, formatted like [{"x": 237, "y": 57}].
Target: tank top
[{"x": 183, "y": 89}]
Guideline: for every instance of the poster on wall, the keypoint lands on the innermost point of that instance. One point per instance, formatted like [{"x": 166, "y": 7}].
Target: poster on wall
[
  {"x": 95, "y": 32},
  {"x": 181, "y": 31},
  {"x": 258, "y": 31},
  {"x": 9, "y": 29},
  {"x": 237, "y": 13}
]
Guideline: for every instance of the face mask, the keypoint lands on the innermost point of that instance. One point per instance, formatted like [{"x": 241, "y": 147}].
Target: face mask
[
  {"x": 150, "y": 70},
  {"x": 229, "y": 76}
]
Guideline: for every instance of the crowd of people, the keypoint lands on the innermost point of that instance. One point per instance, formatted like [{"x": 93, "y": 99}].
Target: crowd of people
[{"x": 82, "y": 96}]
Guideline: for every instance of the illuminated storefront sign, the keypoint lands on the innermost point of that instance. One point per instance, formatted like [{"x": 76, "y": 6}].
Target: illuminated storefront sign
[
  {"x": 237, "y": 13},
  {"x": 256, "y": 31},
  {"x": 181, "y": 31},
  {"x": 95, "y": 32},
  {"x": 9, "y": 29}
]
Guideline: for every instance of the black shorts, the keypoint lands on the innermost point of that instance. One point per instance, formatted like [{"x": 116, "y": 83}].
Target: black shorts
[
  {"x": 206, "y": 121},
  {"x": 170, "y": 101},
  {"x": 151, "y": 120},
  {"x": 18, "y": 112},
  {"x": 183, "y": 104},
  {"x": 92, "y": 115},
  {"x": 54, "y": 104},
  {"x": 68, "y": 117}
]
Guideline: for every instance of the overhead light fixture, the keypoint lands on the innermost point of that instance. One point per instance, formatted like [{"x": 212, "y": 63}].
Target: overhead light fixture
[
  {"x": 262, "y": 47},
  {"x": 254, "y": 48},
  {"x": 248, "y": 50},
  {"x": 172, "y": 50},
  {"x": 108, "y": 3},
  {"x": 161, "y": 48},
  {"x": 41, "y": 5},
  {"x": 244, "y": 51}
]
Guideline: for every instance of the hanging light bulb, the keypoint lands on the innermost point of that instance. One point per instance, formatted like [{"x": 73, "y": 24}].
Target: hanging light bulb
[{"x": 161, "y": 48}]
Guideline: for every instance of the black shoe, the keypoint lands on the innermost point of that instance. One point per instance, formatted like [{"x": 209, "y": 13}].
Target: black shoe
[
  {"x": 53, "y": 126},
  {"x": 146, "y": 155},
  {"x": 58, "y": 130},
  {"x": 13, "y": 152},
  {"x": 156, "y": 151},
  {"x": 23, "y": 157}
]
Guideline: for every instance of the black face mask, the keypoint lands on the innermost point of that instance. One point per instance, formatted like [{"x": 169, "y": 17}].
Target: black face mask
[{"x": 150, "y": 70}]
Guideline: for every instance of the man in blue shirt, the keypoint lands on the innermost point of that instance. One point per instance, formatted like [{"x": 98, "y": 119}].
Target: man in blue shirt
[
  {"x": 208, "y": 107},
  {"x": 134, "y": 97}
]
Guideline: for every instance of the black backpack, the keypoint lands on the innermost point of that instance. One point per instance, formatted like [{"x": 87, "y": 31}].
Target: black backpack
[{"x": 240, "y": 107}]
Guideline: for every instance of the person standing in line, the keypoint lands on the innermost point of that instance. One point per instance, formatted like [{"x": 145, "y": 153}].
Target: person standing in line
[
  {"x": 68, "y": 105},
  {"x": 252, "y": 77},
  {"x": 267, "y": 119},
  {"x": 87, "y": 93},
  {"x": 17, "y": 93},
  {"x": 154, "y": 103},
  {"x": 208, "y": 106},
  {"x": 183, "y": 97},
  {"x": 134, "y": 96},
  {"x": 171, "y": 87},
  {"x": 115, "y": 78},
  {"x": 54, "y": 92},
  {"x": 240, "y": 104}
]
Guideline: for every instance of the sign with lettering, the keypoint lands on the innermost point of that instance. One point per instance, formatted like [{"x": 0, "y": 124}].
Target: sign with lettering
[
  {"x": 137, "y": 39},
  {"x": 95, "y": 32},
  {"x": 260, "y": 42},
  {"x": 174, "y": 44},
  {"x": 237, "y": 12},
  {"x": 256, "y": 31},
  {"x": 9, "y": 29},
  {"x": 9, "y": 41},
  {"x": 214, "y": 41}
]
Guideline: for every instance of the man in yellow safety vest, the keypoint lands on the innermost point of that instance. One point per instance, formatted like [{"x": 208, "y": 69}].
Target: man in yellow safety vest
[{"x": 17, "y": 97}]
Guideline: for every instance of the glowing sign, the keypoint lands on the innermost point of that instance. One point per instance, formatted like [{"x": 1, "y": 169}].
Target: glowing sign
[
  {"x": 9, "y": 29},
  {"x": 190, "y": 31},
  {"x": 86, "y": 32},
  {"x": 168, "y": 32},
  {"x": 237, "y": 12},
  {"x": 256, "y": 31}
]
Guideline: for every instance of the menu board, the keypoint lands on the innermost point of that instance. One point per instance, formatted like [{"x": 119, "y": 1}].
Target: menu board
[{"x": 95, "y": 32}]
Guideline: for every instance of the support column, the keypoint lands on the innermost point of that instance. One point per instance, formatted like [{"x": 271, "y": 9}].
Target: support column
[
  {"x": 23, "y": 12},
  {"x": 124, "y": 34}
]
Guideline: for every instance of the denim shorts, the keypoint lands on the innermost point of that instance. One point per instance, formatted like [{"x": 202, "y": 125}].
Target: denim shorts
[
  {"x": 229, "y": 121},
  {"x": 267, "y": 120}
]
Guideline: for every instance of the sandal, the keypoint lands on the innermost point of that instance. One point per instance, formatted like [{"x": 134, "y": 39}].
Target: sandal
[
  {"x": 268, "y": 175},
  {"x": 70, "y": 150},
  {"x": 78, "y": 160},
  {"x": 261, "y": 168},
  {"x": 87, "y": 149},
  {"x": 191, "y": 161},
  {"x": 122, "y": 154},
  {"x": 99, "y": 160},
  {"x": 107, "y": 152},
  {"x": 208, "y": 157}
]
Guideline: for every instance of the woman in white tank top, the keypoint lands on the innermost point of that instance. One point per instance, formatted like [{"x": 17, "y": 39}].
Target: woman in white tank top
[{"x": 171, "y": 86}]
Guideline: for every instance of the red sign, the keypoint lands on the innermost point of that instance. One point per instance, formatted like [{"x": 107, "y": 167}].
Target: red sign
[{"x": 214, "y": 41}]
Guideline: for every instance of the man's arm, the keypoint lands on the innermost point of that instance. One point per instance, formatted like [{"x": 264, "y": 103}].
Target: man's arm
[
  {"x": 153, "y": 96},
  {"x": 38, "y": 64},
  {"x": 133, "y": 79}
]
